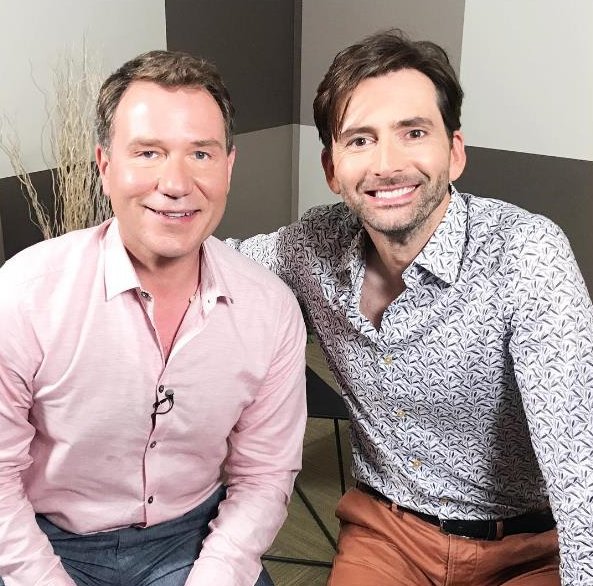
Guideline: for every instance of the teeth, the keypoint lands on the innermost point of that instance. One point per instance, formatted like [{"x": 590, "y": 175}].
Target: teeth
[
  {"x": 175, "y": 214},
  {"x": 394, "y": 193}
]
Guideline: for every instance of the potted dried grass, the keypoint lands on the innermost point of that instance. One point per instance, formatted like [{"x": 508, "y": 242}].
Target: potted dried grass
[{"x": 76, "y": 190}]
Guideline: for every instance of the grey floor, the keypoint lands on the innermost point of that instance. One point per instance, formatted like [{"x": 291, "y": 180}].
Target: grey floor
[{"x": 300, "y": 536}]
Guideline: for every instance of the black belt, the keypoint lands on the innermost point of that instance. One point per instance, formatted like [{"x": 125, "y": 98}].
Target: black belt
[{"x": 533, "y": 522}]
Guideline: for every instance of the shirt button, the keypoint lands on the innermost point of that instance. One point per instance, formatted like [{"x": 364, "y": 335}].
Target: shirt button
[
  {"x": 145, "y": 294},
  {"x": 387, "y": 359},
  {"x": 161, "y": 388},
  {"x": 400, "y": 413},
  {"x": 150, "y": 499},
  {"x": 416, "y": 464},
  {"x": 152, "y": 444}
]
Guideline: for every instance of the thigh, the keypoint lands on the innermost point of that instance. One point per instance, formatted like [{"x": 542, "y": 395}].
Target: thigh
[
  {"x": 383, "y": 548},
  {"x": 179, "y": 578},
  {"x": 264, "y": 579},
  {"x": 363, "y": 559},
  {"x": 537, "y": 560},
  {"x": 549, "y": 577},
  {"x": 527, "y": 559},
  {"x": 172, "y": 549},
  {"x": 90, "y": 560},
  {"x": 163, "y": 555}
]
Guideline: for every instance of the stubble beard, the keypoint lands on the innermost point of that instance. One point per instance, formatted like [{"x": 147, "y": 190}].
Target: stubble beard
[{"x": 400, "y": 230}]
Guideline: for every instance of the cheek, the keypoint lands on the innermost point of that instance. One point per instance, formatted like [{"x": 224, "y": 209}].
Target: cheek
[
  {"x": 136, "y": 180},
  {"x": 214, "y": 184},
  {"x": 432, "y": 163},
  {"x": 350, "y": 170}
]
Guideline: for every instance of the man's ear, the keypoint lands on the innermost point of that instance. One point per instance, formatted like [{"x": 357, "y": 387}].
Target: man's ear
[
  {"x": 230, "y": 162},
  {"x": 102, "y": 159},
  {"x": 458, "y": 157},
  {"x": 328, "y": 167}
]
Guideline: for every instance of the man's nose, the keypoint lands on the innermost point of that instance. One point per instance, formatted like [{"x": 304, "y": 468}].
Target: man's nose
[
  {"x": 175, "y": 179},
  {"x": 388, "y": 158}
]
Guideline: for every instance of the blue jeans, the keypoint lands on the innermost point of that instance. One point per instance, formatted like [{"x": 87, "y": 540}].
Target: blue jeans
[{"x": 161, "y": 555}]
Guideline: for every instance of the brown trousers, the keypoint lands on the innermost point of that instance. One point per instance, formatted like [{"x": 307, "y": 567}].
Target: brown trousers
[{"x": 381, "y": 546}]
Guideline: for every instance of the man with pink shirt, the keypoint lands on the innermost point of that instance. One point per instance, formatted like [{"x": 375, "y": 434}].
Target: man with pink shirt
[{"x": 152, "y": 401}]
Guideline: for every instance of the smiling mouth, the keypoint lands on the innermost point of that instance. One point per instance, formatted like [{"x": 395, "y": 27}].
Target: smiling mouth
[
  {"x": 391, "y": 193},
  {"x": 174, "y": 215}
]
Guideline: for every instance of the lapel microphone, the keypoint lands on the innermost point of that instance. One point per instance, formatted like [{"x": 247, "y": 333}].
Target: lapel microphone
[{"x": 169, "y": 398}]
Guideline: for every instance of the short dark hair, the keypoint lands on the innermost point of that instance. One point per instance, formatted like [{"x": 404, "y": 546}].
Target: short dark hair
[
  {"x": 378, "y": 55},
  {"x": 168, "y": 69}
]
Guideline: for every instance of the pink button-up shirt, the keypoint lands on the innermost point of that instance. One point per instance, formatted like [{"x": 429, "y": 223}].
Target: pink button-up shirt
[{"x": 80, "y": 368}]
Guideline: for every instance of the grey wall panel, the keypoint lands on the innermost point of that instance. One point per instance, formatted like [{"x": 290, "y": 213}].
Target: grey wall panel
[
  {"x": 332, "y": 25},
  {"x": 18, "y": 230},
  {"x": 296, "y": 64},
  {"x": 261, "y": 187},
  {"x": 559, "y": 188},
  {"x": 2, "y": 256},
  {"x": 252, "y": 42}
]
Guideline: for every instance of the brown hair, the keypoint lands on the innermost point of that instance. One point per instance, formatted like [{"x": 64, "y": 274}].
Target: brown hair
[
  {"x": 167, "y": 69},
  {"x": 378, "y": 55}
]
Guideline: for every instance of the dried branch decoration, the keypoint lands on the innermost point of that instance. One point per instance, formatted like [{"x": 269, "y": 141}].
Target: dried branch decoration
[{"x": 76, "y": 189}]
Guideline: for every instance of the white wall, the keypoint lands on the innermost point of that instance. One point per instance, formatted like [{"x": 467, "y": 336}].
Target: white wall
[
  {"x": 527, "y": 72},
  {"x": 34, "y": 34}
]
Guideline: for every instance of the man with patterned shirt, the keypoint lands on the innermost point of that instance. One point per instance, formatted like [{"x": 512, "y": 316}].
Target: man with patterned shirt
[{"x": 460, "y": 331}]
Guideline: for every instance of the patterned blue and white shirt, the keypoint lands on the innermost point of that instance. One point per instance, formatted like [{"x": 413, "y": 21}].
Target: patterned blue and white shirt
[{"x": 474, "y": 399}]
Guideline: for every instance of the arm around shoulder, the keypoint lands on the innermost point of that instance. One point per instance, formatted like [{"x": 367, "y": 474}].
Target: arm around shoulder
[{"x": 277, "y": 251}]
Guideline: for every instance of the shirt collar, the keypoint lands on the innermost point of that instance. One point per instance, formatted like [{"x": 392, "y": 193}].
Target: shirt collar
[
  {"x": 120, "y": 275},
  {"x": 443, "y": 253},
  {"x": 354, "y": 253},
  {"x": 213, "y": 283}
]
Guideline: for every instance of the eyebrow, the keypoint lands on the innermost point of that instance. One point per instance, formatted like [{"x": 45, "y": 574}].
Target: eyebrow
[
  {"x": 210, "y": 142},
  {"x": 349, "y": 132},
  {"x": 416, "y": 121},
  {"x": 142, "y": 142},
  {"x": 406, "y": 123}
]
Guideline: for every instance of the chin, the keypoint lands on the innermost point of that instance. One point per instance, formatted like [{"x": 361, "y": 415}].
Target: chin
[{"x": 389, "y": 225}]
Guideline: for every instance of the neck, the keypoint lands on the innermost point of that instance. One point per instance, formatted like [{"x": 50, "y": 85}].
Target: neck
[{"x": 170, "y": 276}]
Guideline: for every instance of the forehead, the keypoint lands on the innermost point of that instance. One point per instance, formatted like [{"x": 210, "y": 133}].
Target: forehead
[
  {"x": 402, "y": 94},
  {"x": 150, "y": 104}
]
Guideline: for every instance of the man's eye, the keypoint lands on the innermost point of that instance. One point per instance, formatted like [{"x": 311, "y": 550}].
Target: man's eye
[
  {"x": 148, "y": 154},
  {"x": 359, "y": 141},
  {"x": 201, "y": 155},
  {"x": 416, "y": 133}
]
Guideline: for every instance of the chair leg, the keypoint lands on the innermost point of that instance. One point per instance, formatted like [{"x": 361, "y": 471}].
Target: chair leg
[
  {"x": 303, "y": 561},
  {"x": 340, "y": 458},
  {"x": 298, "y": 561},
  {"x": 315, "y": 516}
]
